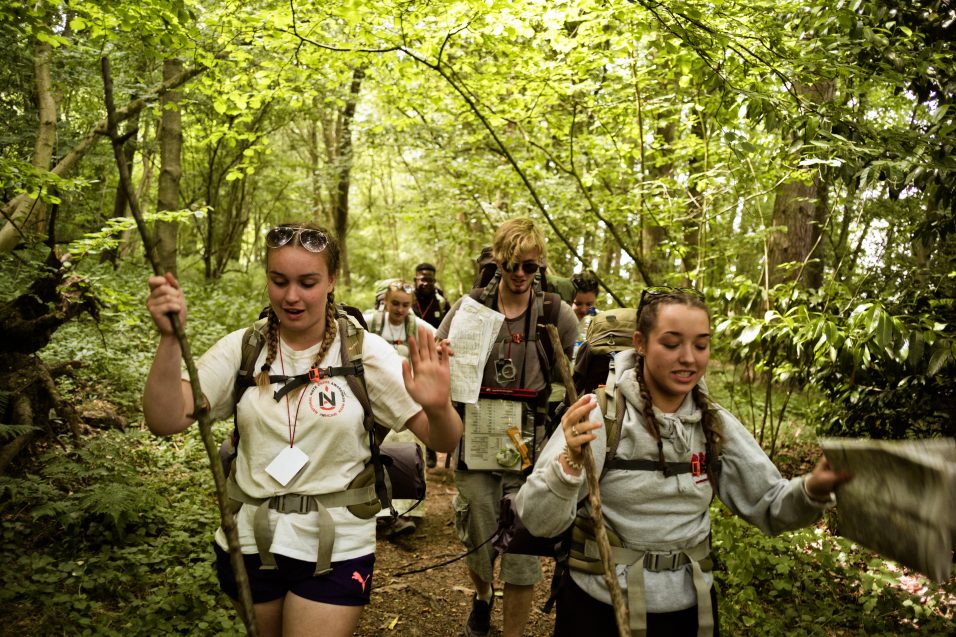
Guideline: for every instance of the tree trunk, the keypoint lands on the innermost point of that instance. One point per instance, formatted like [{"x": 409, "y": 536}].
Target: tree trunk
[
  {"x": 170, "y": 144},
  {"x": 800, "y": 208},
  {"x": 343, "y": 171},
  {"x": 32, "y": 213},
  {"x": 119, "y": 200},
  {"x": 796, "y": 208}
]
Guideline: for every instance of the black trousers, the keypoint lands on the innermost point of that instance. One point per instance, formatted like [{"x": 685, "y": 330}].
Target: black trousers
[{"x": 580, "y": 614}]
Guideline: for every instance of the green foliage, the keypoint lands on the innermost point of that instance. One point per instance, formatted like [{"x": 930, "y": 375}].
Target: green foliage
[
  {"x": 118, "y": 350},
  {"x": 810, "y": 583},
  {"x": 113, "y": 539},
  {"x": 881, "y": 373}
]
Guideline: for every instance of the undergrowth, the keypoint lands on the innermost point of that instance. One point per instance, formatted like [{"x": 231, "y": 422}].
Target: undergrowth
[
  {"x": 811, "y": 583},
  {"x": 113, "y": 538}
]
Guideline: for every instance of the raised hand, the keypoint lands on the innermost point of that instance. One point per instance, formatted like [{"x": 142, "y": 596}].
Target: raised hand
[{"x": 428, "y": 378}]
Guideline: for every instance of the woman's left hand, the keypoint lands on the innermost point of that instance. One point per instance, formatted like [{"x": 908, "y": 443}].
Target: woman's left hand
[
  {"x": 428, "y": 378},
  {"x": 823, "y": 480}
]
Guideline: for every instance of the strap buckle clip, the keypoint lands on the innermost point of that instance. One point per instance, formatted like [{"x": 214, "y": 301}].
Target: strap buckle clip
[
  {"x": 318, "y": 373},
  {"x": 656, "y": 562}
]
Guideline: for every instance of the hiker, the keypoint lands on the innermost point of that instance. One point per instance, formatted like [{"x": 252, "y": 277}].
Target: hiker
[
  {"x": 519, "y": 365},
  {"x": 397, "y": 325},
  {"x": 431, "y": 305},
  {"x": 394, "y": 321},
  {"x": 583, "y": 303},
  {"x": 302, "y": 449},
  {"x": 674, "y": 451},
  {"x": 429, "y": 302}
]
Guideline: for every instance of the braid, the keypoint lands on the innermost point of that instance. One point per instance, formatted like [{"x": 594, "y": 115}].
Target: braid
[
  {"x": 650, "y": 421},
  {"x": 272, "y": 345},
  {"x": 710, "y": 422},
  {"x": 330, "y": 329}
]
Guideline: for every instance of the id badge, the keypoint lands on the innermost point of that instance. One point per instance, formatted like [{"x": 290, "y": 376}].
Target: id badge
[{"x": 287, "y": 464}]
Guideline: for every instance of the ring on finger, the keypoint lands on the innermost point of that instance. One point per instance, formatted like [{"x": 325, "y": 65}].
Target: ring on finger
[{"x": 574, "y": 430}]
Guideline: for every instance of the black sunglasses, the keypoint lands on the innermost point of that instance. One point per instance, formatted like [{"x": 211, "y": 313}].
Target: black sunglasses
[
  {"x": 651, "y": 294},
  {"x": 309, "y": 238},
  {"x": 529, "y": 267}
]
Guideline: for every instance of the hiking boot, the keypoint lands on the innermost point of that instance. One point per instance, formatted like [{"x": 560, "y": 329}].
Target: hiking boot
[
  {"x": 401, "y": 526},
  {"x": 431, "y": 458},
  {"x": 479, "y": 621}
]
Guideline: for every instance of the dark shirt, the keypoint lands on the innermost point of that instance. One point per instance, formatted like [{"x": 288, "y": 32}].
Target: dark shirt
[{"x": 430, "y": 309}]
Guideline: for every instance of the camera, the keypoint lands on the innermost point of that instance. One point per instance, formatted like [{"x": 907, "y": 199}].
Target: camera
[{"x": 505, "y": 370}]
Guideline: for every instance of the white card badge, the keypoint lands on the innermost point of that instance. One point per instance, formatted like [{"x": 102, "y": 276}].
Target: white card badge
[{"x": 287, "y": 464}]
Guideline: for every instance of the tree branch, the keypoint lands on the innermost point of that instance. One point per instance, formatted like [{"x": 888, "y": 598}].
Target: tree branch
[{"x": 202, "y": 412}]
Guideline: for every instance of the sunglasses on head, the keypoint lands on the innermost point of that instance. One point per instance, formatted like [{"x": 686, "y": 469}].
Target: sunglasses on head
[
  {"x": 651, "y": 294},
  {"x": 401, "y": 286},
  {"x": 309, "y": 238},
  {"x": 529, "y": 267}
]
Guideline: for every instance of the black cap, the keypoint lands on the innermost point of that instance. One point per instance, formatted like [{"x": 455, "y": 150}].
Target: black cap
[{"x": 421, "y": 267}]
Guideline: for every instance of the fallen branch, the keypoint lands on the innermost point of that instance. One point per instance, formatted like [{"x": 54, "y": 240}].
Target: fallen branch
[
  {"x": 594, "y": 495},
  {"x": 201, "y": 410}
]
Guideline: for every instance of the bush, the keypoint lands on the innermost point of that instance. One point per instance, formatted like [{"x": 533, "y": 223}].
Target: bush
[{"x": 114, "y": 539}]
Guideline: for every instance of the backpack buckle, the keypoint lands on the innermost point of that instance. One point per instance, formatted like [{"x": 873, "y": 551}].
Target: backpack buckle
[{"x": 318, "y": 373}]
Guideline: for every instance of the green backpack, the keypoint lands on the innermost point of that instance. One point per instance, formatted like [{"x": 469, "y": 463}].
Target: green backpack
[{"x": 612, "y": 331}]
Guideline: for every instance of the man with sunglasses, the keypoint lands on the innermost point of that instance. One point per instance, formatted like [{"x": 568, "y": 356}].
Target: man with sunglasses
[{"x": 519, "y": 364}]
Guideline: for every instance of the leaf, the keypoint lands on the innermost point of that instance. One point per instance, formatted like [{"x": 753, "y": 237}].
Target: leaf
[
  {"x": 942, "y": 354},
  {"x": 749, "y": 334}
]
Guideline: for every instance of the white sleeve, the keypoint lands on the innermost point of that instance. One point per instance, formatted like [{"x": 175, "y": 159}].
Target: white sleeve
[
  {"x": 218, "y": 368},
  {"x": 391, "y": 404}
]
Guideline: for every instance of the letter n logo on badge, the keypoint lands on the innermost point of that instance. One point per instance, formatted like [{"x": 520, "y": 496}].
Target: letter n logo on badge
[{"x": 326, "y": 401}]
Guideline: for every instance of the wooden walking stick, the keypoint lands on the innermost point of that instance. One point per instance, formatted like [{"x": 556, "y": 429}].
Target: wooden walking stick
[
  {"x": 594, "y": 495},
  {"x": 201, "y": 410}
]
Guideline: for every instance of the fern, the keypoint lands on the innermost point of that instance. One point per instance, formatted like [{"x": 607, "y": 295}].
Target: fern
[{"x": 9, "y": 432}]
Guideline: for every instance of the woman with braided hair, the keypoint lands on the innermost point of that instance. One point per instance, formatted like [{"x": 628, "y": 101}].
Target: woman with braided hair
[
  {"x": 302, "y": 435},
  {"x": 672, "y": 452}
]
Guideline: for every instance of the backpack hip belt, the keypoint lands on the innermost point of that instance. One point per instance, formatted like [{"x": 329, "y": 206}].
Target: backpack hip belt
[
  {"x": 585, "y": 557},
  {"x": 300, "y": 503}
]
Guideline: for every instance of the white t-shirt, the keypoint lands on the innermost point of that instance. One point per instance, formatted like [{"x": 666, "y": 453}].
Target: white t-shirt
[{"x": 327, "y": 422}]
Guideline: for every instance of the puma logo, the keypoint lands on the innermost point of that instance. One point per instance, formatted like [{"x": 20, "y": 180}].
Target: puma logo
[{"x": 358, "y": 578}]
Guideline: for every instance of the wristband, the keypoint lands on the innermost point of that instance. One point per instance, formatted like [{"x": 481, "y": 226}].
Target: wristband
[{"x": 577, "y": 466}]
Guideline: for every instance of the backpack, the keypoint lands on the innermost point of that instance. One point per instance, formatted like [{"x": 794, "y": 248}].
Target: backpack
[
  {"x": 548, "y": 308},
  {"x": 609, "y": 332}
]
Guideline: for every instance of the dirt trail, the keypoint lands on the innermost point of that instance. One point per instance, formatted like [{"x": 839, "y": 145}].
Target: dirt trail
[{"x": 436, "y": 602}]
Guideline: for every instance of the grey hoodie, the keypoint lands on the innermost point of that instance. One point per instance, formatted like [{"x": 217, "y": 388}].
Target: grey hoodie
[{"x": 651, "y": 512}]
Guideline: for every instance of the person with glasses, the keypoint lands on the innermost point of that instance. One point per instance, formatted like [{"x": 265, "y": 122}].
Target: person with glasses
[
  {"x": 397, "y": 325},
  {"x": 308, "y": 444},
  {"x": 674, "y": 450},
  {"x": 517, "y": 362}
]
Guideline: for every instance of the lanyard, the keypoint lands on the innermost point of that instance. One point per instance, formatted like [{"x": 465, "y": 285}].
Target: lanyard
[
  {"x": 293, "y": 424},
  {"x": 418, "y": 304}
]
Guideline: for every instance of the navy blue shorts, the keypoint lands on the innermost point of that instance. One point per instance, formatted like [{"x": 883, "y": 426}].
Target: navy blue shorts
[{"x": 349, "y": 583}]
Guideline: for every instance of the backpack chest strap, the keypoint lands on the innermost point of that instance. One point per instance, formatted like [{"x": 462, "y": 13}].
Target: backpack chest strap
[{"x": 314, "y": 375}]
